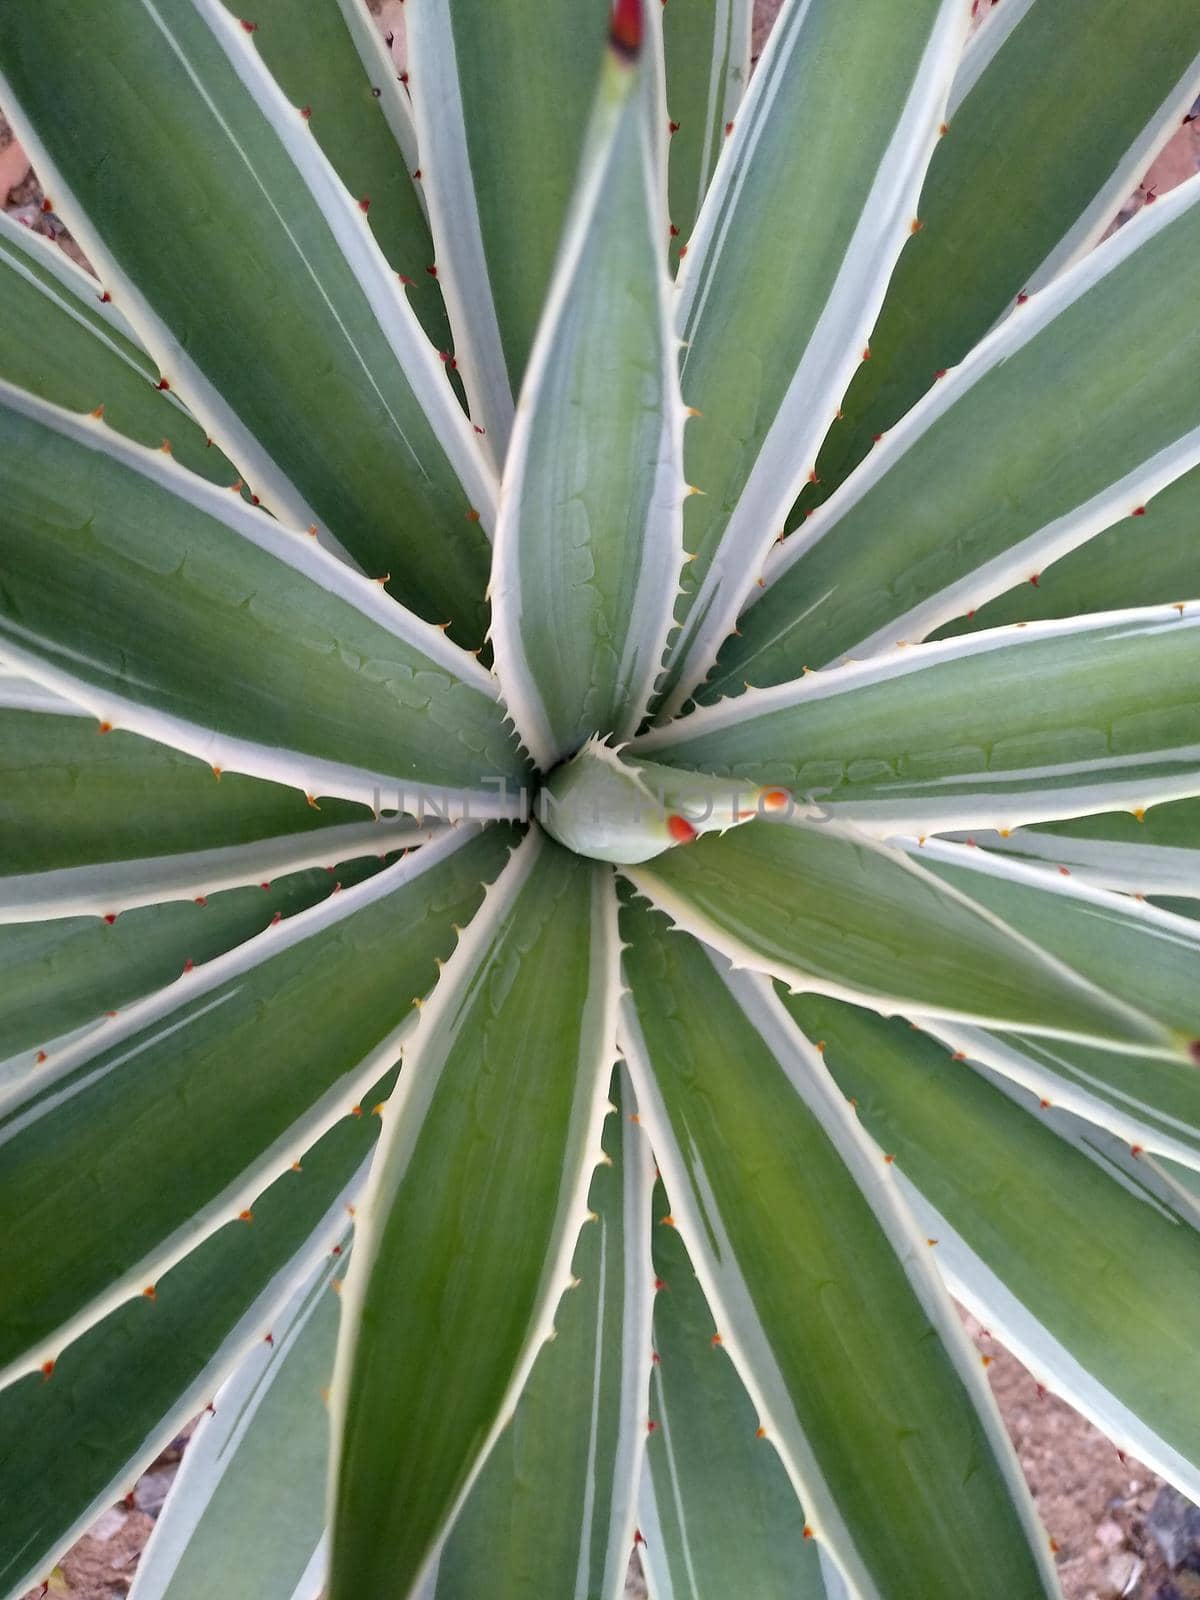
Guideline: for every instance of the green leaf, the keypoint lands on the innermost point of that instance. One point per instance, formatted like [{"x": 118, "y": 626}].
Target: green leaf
[
  {"x": 245, "y": 1514},
  {"x": 101, "y": 825},
  {"x": 329, "y": 57},
  {"x": 718, "y": 1514},
  {"x": 1070, "y": 417},
  {"x": 252, "y": 277},
  {"x": 71, "y": 798},
  {"x": 1148, "y": 1103},
  {"x": 77, "y": 1442},
  {"x": 946, "y": 736},
  {"x": 823, "y": 1294},
  {"x": 67, "y": 971},
  {"x": 552, "y": 1512},
  {"x": 1093, "y": 1282},
  {"x": 1133, "y": 952},
  {"x": 1143, "y": 561},
  {"x": 827, "y": 909},
  {"x": 1142, "y": 852},
  {"x": 588, "y": 545},
  {"x": 167, "y": 606},
  {"x": 500, "y": 96},
  {"x": 808, "y": 210},
  {"x": 1089, "y": 107},
  {"x": 706, "y": 45},
  {"x": 504, "y": 1086},
  {"x": 59, "y": 340},
  {"x": 123, "y": 1151}
]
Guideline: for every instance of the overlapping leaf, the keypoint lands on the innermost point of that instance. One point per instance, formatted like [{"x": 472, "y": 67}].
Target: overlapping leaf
[
  {"x": 167, "y": 606},
  {"x": 1070, "y": 417},
  {"x": 1084, "y": 1266},
  {"x": 122, "y": 1152},
  {"x": 830, "y": 910},
  {"x": 823, "y": 1293},
  {"x": 810, "y": 205},
  {"x": 77, "y": 1441},
  {"x": 253, "y": 279}
]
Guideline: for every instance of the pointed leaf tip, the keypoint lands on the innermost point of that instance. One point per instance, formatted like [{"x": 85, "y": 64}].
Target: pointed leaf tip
[{"x": 625, "y": 30}]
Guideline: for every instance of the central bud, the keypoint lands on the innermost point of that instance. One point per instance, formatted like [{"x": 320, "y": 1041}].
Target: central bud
[{"x": 602, "y": 805}]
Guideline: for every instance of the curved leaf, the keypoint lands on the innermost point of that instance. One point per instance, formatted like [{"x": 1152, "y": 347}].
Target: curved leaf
[
  {"x": 504, "y": 1086},
  {"x": 839, "y": 124},
  {"x": 237, "y": 1519},
  {"x": 1051, "y": 126},
  {"x": 169, "y": 607},
  {"x": 1071, "y": 416},
  {"x": 252, "y": 277},
  {"x": 823, "y": 1294},
  {"x": 1098, "y": 1279},
  {"x": 66, "y": 971},
  {"x": 124, "y": 1151},
  {"x": 991, "y": 731},
  {"x": 589, "y": 545},
  {"x": 826, "y": 909},
  {"x": 501, "y": 97},
  {"x": 706, "y": 45},
  {"x": 60, "y": 340},
  {"x": 552, "y": 1512},
  {"x": 723, "y": 1517},
  {"x": 1142, "y": 852},
  {"x": 121, "y": 1393}
]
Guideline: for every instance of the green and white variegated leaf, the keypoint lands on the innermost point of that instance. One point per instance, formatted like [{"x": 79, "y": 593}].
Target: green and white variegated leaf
[
  {"x": 78, "y": 1440},
  {"x": 64, "y": 973},
  {"x": 97, "y": 826},
  {"x": 1088, "y": 1270},
  {"x": 717, "y": 1513},
  {"x": 505, "y": 1086},
  {"x": 187, "y": 1103},
  {"x": 1071, "y": 416},
  {"x": 330, "y": 59},
  {"x": 614, "y": 810},
  {"x": 500, "y": 96},
  {"x": 774, "y": 326},
  {"x": 1138, "y": 953},
  {"x": 1140, "y": 852},
  {"x": 822, "y": 1289},
  {"x": 706, "y": 45},
  {"x": 253, "y": 279},
  {"x": 19, "y": 693},
  {"x": 170, "y": 607},
  {"x": 61, "y": 340},
  {"x": 992, "y": 730},
  {"x": 1139, "y": 561},
  {"x": 553, "y": 1510},
  {"x": 825, "y": 908},
  {"x": 1147, "y": 1103},
  {"x": 1091, "y": 106},
  {"x": 245, "y": 1515},
  {"x": 589, "y": 544}
]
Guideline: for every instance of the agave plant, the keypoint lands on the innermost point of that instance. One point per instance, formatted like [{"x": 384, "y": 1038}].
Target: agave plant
[{"x": 654, "y": 942}]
